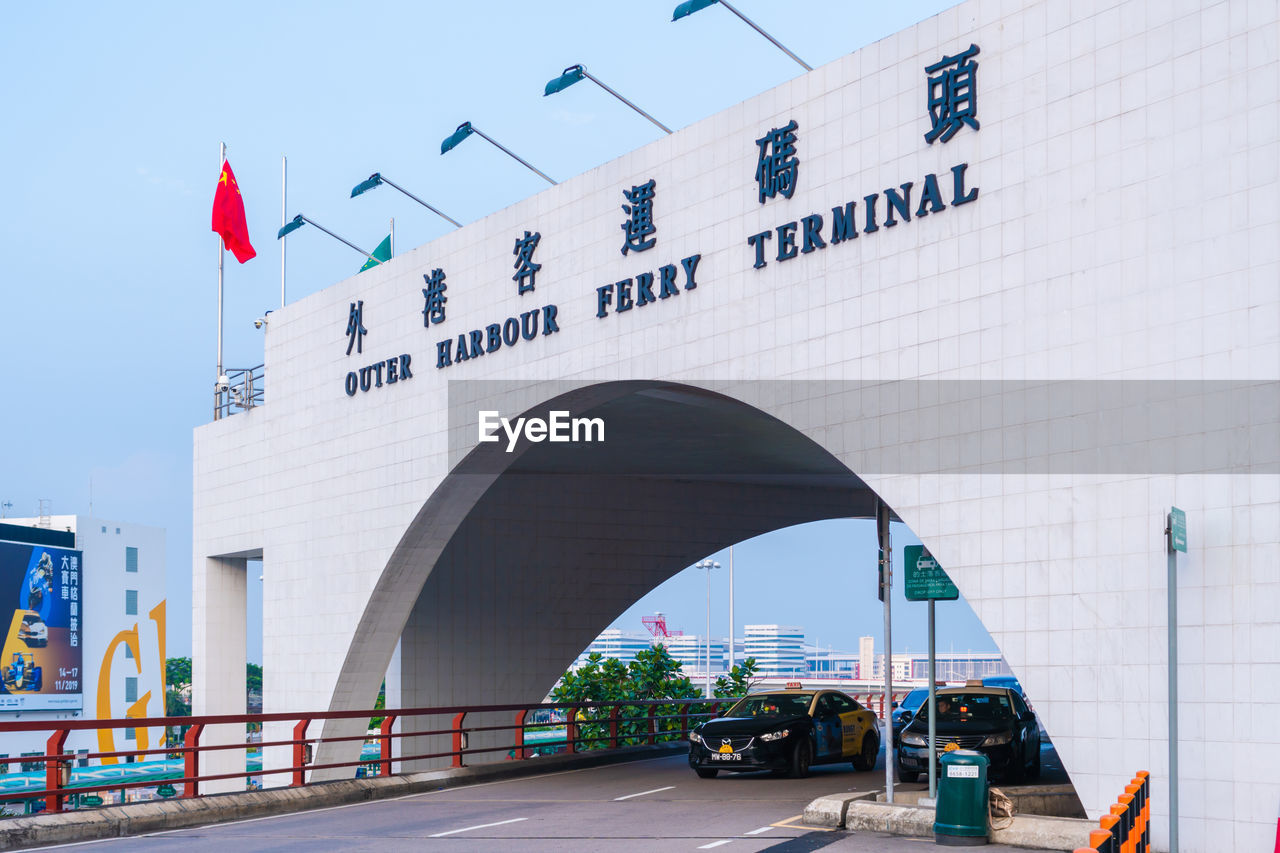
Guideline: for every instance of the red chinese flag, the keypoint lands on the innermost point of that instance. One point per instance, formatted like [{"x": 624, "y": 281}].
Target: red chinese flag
[{"x": 228, "y": 216}]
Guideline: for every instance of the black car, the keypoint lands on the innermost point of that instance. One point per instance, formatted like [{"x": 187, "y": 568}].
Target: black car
[
  {"x": 906, "y": 709},
  {"x": 787, "y": 730},
  {"x": 992, "y": 720}
]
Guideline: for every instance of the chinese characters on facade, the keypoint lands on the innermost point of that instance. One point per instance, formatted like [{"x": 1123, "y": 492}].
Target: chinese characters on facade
[
  {"x": 355, "y": 327},
  {"x": 953, "y": 94},
  {"x": 951, "y": 90},
  {"x": 526, "y": 269},
  {"x": 778, "y": 166},
  {"x": 639, "y": 228}
]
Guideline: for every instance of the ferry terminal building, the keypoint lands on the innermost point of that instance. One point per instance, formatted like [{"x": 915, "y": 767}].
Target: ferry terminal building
[{"x": 1014, "y": 272}]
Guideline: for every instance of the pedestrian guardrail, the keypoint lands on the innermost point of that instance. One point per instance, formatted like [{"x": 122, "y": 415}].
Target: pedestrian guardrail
[
  {"x": 535, "y": 729},
  {"x": 1126, "y": 829}
]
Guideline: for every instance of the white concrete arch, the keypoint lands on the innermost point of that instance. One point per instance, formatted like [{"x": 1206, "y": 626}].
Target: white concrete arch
[{"x": 518, "y": 560}]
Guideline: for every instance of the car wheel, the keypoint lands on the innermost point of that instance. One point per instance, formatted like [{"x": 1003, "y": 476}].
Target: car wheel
[
  {"x": 706, "y": 772},
  {"x": 801, "y": 758},
  {"x": 866, "y": 760},
  {"x": 908, "y": 775}
]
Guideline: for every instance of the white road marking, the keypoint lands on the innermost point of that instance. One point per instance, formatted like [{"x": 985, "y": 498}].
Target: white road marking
[
  {"x": 715, "y": 844},
  {"x": 642, "y": 793},
  {"x": 758, "y": 831},
  {"x": 451, "y": 789},
  {"x": 481, "y": 826}
]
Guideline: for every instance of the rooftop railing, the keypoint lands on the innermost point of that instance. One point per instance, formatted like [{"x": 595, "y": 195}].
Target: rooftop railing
[{"x": 243, "y": 390}]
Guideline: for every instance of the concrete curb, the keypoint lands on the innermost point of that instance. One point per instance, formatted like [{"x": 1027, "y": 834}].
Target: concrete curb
[
  {"x": 138, "y": 818},
  {"x": 1039, "y": 800},
  {"x": 1040, "y": 833},
  {"x": 830, "y": 811}
]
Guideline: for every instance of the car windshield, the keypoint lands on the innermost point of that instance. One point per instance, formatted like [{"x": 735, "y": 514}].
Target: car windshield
[
  {"x": 914, "y": 699},
  {"x": 771, "y": 705},
  {"x": 966, "y": 707}
]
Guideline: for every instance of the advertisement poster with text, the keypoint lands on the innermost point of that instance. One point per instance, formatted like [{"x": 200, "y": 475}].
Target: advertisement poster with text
[{"x": 41, "y": 666}]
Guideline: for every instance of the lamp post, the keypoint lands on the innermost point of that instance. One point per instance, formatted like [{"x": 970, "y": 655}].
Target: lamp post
[
  {"x": 467, "y": 128},
  {"x": 732, "y": 642},
  {"x": 574, "y": 73},
  {"x": 708, "y": 565},
  {"x": 376, "y": 179},
  {"x": 690, "y": 6},
  {"x": 300, "y": 220}
]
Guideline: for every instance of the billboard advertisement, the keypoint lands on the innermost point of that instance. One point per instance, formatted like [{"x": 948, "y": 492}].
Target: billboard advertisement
[{"x": 41, "y": 666}]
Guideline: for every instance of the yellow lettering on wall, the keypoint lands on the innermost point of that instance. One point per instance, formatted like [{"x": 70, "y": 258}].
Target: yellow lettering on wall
[
  {"x": 137, "y": 711},
  {"x": 158, "y": 617},
  {"x": 106, "y": 737},
  {"x": 129, "y": 637}
]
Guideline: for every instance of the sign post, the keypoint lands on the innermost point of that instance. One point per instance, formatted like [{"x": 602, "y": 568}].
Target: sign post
[
  {"x": 926, "y": 581},
  {"x": 1175, "y": 540},
  {"x": 886, "y": 595}
]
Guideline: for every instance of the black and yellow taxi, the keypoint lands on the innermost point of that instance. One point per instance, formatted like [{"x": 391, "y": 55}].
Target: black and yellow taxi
[
  {"x": 787, "y": 730},
  {"x": 992, "y": 720}
]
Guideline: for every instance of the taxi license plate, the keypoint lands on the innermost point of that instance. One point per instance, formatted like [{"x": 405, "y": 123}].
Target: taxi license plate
[{"x": 726, "y": 756}]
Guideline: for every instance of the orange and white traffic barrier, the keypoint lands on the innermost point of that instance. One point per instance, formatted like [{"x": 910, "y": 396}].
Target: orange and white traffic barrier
[{"x": 1126, "y": 829}]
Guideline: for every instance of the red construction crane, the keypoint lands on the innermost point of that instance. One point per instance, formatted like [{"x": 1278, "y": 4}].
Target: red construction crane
[{"x": 657, "y": 625}]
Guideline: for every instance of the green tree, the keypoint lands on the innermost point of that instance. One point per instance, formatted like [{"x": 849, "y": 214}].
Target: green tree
[
  {"x": 177, "y": 671},
  {"x": 739, "y": 681},
  {"x": 654, "y": 674},
  {"x": 253, "y": 677}
]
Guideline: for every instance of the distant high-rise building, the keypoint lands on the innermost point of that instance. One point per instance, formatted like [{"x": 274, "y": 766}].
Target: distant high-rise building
[
  {"x": 691, "y": 651},
  {"x": 613, "y": 643},
  {"x": 777, "y": 649},
  {"x": 866, "y": 657}
]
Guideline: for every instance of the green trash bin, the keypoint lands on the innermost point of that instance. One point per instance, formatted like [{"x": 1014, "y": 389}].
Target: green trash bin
[{"x": 962, "y": 800}]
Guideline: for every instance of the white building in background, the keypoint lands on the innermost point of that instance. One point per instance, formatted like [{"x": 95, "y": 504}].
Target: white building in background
[
  {"x": 691, "y": 651},
  {"x": 778, "y": 649},
  {"x": 114, "y": 613},
  {"x": 866, "y": 656},
  {"x": 614, "y": 643}
]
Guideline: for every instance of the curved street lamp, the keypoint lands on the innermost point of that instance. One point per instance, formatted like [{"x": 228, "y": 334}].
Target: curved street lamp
[
  {"x": 376, "y": 179},
  {"x": 300, "y": 220},
  {"x": 574, "y": 73},
  {"x": 467, "y": 128},
  {"x": 690, "y": 6},
  {"x": 708, "y": 565}
]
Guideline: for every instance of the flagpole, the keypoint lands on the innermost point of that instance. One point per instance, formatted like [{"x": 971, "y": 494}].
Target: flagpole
[
  {"x": 391, "y": 239},
  {"x": 222, "y": 160},
  {"x": 284, "y": 184}
]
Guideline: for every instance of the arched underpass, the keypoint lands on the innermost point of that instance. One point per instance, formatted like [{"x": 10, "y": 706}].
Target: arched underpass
[{"x": 559, "y": 539}]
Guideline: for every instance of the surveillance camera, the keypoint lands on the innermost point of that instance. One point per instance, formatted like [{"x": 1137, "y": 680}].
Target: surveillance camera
[
  {"x": 259, "y": 323},
  {"x": 224, "y": 382}
]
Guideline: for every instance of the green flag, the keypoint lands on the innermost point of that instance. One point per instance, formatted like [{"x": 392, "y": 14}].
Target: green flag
[{"x": 382, "y": 253}]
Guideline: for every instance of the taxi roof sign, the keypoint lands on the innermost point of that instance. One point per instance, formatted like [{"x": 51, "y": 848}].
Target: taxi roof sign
[{"x": 793, "y": 685}]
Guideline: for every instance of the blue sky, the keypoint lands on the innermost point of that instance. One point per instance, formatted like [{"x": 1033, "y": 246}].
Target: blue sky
[
  {"x": 820, "y": 577},
  {"x": 115, "y": 115}
]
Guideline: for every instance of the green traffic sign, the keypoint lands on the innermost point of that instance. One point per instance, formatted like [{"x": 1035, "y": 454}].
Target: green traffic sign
[
  {"x": 91, "y": 800},
  {"x": 925, "y": 579},
  {"x": 167, "y": 791},
  {"x": 1177, "y": 530}
]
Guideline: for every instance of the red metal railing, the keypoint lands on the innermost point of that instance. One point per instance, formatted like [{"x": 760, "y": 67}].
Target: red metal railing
[{"x": 588, "y": 725}]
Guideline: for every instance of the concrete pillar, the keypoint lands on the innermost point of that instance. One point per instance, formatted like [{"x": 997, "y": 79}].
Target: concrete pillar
[{"x": 218, "y": 661}]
